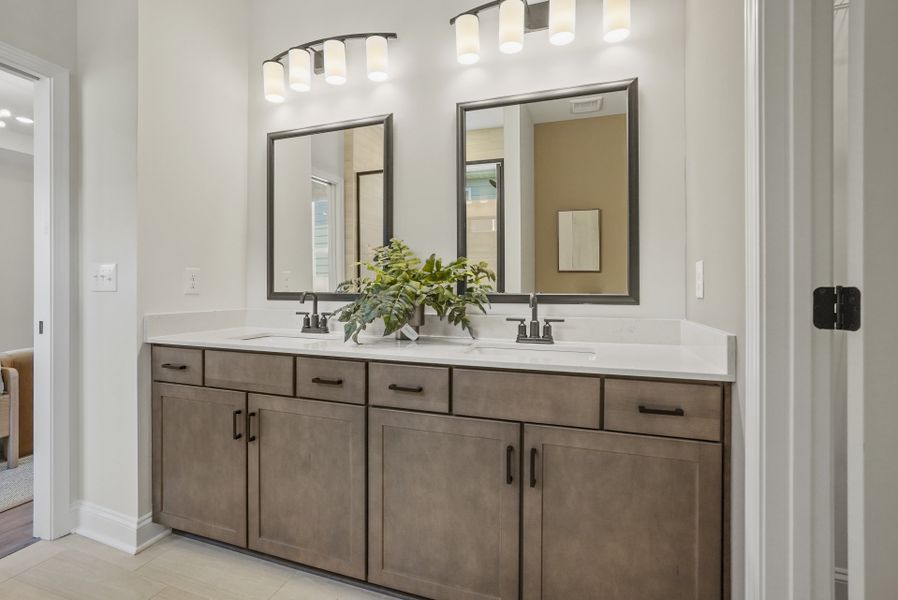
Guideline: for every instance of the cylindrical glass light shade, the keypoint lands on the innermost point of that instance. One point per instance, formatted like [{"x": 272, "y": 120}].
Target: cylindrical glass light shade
[
  {"x": 617, "y": 20},
  {"x": 378, "y": 56},
  {"x": 511, "y": 26},
  {"x": 467, "y": 39},
  {"x": 273, "y": 81},
  {"x": 335, "y": 62},
  {"x": 562, "y": 21},
  {"x": 300, "y": 70}
]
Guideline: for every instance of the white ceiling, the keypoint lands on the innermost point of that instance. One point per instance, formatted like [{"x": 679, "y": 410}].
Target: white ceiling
[
  {"x": 550, "y": 111},
  {"x": 17, "y": 96}
]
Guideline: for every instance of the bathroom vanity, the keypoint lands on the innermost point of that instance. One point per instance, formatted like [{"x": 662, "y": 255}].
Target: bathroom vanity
[{"x": 450, "y": 469}]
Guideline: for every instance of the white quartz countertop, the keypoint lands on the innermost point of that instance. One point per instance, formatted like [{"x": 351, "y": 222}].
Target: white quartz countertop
[{"x": 669, "y": 361}]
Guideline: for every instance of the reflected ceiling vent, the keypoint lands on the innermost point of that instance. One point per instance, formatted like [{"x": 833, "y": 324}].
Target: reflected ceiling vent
[{"x": 580, "y": 106}]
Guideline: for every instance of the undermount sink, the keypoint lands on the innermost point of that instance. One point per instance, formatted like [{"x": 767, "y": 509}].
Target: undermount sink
[
  {"x": 305, "y": 340},
  {"x": 532, "y": 352}
]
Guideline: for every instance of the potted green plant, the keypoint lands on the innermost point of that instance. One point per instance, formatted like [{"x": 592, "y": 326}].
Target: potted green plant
[{"x": 400, "y": 285}]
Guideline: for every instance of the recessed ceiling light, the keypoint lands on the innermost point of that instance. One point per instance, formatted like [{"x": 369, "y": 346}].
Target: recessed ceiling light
[
  {"x": 4, "y": 113},
  {"x": 25, "y": 120},
  {"x": 2, "y": 124}
]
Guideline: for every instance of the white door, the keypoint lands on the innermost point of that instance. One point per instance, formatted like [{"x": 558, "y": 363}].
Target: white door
[{"x": 872, "y": 265}]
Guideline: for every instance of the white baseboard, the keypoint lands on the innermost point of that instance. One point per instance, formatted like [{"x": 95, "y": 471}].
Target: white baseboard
[{"x": 116, "y": 529}]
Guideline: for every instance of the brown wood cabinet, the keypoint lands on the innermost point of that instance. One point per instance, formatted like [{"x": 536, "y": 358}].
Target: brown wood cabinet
[
  {"x": 444, "y": 505},
  {"x": 199, "y": 461},
  {"x": 620, "y": 517},
  {"x": 307, "y": 482},
  {"x": 480, "y": 485}
]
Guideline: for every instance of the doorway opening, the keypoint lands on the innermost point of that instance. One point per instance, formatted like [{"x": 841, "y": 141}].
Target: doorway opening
[{"x": 16, "y": 311}]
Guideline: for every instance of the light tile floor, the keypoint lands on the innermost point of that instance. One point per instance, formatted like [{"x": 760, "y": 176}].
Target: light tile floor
[{"x": 175, "y": 568}]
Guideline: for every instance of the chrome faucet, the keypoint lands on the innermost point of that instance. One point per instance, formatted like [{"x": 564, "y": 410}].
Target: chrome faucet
[
  {"x": 533, "y": 336},
  {"x": 313, "y": 323}
]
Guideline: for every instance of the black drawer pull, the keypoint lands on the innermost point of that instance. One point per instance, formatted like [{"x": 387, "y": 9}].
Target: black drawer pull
[
  {"x": 249, "y": 427},
  {"x": 321, "y": 381},
  {"x": 236, "y": 417},
  {"x": 416, "y": 389},
  {"x": 174, "y": 367},
  {"x": 509, "y": 462},
  {"x": 533, "y": 467},
  {"x": 669, "y": 412}
]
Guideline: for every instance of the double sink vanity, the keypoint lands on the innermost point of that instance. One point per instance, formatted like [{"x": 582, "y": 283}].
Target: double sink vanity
[
  {"x": 449, "y": 468},
  {"x": 556, "y": 464}
]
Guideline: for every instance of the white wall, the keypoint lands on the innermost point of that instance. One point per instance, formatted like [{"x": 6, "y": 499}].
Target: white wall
[
  {"x": 110, "y": 338},
  {"x": 715, "y": 202},
  {"x": 16, "y": 250},
  {"x": 426, "y": 84},
  {"x": 44, "y": 28}
]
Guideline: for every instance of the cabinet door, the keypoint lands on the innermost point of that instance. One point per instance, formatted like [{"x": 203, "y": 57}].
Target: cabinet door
[
  {"x": 199, "y": 461},
  {"x": 619, "y": 517},
  {"x": 444, "y": 505},
  {"x": 307, "y": 482}
]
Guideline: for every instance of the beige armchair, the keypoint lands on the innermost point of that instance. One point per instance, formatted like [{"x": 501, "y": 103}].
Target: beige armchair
[{"x": 16, "y": 404}]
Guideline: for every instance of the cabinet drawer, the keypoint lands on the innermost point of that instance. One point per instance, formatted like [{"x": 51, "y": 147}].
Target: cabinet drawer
[
  {"x": 178, "y": 365},
  {"x": 409, "y": 386},
  {"x": 529, "y": 397},
  {"x": 326, "y": 379},
  {"x": 685, "y": 410},
  {"x": 264, "y": 373}
]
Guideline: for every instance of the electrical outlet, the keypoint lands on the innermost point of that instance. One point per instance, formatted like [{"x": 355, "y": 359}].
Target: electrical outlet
[
  {"x": 700, "y": 279},
  {"x": 191, "y": 281},
  {"x": 104, "y": 277}
]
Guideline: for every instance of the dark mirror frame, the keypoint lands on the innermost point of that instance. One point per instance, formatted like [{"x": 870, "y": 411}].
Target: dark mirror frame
[
  {"x": 631, "y": 87},
  {"x": 387, "y": 122}
]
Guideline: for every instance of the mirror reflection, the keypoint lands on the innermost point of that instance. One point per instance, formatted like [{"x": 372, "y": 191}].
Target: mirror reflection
[
  {"x": 547, "y": 196},
  {"x": 328, "y": 205}
]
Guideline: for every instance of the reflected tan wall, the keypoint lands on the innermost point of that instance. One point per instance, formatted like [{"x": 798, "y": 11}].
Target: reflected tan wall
[
  {"x": 363, "y": 150},
  {"x": 582, "y": 164},
  {"x": 485, "y": 144}
]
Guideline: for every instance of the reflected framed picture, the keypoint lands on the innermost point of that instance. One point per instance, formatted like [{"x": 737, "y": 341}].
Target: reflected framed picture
[{"x": 580, "y": 241}]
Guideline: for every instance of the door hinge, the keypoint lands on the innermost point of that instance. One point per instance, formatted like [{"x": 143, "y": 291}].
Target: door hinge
[{"x": 837, "y": 308}]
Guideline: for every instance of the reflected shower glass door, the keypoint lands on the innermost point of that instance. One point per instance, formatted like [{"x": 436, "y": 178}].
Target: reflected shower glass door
[{"x": 485, "y": 220}]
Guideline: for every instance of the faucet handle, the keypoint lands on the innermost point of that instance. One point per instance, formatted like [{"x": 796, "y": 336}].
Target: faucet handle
[
  {"x": 516, "y": 319},
  {"x": 302, "y": 312},
  {"x": 553, "y": 321}
]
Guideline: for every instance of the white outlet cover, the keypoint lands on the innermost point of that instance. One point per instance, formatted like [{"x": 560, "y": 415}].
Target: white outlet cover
[
  {"x": 700, "y": 279},
  {"x": 191, "y": 281},
  {"x": 104, "y": 277}
]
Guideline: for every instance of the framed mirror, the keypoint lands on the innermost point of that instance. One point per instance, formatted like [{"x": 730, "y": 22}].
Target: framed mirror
[
  {"x": 330, "y": 203},
  {"x": 548, "y": 193}
]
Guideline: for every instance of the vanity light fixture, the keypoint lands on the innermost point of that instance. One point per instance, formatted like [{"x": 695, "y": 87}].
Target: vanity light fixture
[
  {"x": 519, "y": 17},
  {"x": 511, "y": 26},
  {"x": 273, "y": 81},
  {"x": 562, "y": 21},
  {"x": 616, "y": 17},
  {"x": 335, "y": 62},
  {"x": 327, "y": 56}
]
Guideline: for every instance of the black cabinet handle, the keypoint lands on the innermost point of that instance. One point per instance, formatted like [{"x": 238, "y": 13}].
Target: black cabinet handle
[
  {"x": 249, "y": 426},
  {"x": 672, "y": 412},
  {"x": 416, "y": 389},
  {"x": 236, "y": 417},
  {"x": 321, "y": 381},
  {"x": 509, "y": 462},
  {"x": 533, "y": 467},
  {"x": 174, "y": 367}
]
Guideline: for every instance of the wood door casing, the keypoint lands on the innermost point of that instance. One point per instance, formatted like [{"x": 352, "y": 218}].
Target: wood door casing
[
  {"x": 199, "y": 468},
  {"x": 619, "y": 517},
  {"x": 307, "y": 482},
  {"x": 443, "y": 519}
]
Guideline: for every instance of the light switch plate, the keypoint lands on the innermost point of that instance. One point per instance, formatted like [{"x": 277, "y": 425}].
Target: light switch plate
[
  {"x": 191, "y": 281},
  {"x": 286, "y": 281},
  {"x": 104, "y": 277},
  {"x": 700, "y": 279}
]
